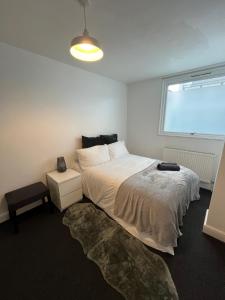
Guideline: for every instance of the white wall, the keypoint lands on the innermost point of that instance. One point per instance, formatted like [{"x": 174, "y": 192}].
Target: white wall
[
  {"x": 45, "y": 106},
  {"x": 144, "y": 100},
  {"x": 215, "y": 217}
]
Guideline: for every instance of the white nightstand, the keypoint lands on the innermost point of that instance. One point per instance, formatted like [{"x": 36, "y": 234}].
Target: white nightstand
[{"x": 65, "y": 188}]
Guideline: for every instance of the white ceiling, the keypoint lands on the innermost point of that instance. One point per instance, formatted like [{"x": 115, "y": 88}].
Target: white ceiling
[{"x": 140, "y": 38}]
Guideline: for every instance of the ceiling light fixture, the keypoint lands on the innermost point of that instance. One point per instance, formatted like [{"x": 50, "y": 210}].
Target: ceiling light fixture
[{"x": 85, "y": 47}]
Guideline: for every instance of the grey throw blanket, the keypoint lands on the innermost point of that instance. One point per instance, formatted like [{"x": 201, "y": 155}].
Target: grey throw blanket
[{"x": 155, "y": 202}]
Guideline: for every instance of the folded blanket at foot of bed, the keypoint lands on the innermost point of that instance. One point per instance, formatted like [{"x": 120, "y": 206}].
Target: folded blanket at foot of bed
[{"x": 155, "y": 202}]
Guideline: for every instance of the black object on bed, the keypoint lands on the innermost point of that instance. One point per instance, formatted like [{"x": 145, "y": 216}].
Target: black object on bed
[
  {"x": 164, "y": 166},
  {"x": 88, "y": 142}
]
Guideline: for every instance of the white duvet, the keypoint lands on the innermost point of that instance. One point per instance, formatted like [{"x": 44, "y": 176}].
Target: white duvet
[{"x": 101, "y": 183}]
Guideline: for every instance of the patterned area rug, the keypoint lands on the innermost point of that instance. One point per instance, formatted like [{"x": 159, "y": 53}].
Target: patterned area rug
[{"x": 126, "y": 264}]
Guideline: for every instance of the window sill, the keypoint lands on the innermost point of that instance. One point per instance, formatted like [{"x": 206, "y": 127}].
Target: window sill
[{"x": 194, "y": 136}]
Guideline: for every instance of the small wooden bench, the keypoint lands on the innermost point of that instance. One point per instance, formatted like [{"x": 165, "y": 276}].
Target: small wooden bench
[{"x": 24, "y": 196}]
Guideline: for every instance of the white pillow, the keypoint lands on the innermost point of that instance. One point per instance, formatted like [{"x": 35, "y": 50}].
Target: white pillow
[
  {"x": 93, "y": 156},
  {"x": 76, "y": 166},
  {"x": 117, "y": 149}
]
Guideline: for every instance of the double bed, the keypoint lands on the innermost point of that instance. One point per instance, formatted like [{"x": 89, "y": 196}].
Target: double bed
[{"x": 150, "y": 204}]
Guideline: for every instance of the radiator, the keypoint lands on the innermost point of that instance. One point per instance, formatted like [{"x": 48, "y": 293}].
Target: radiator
[{"x": 201, "y": 163}]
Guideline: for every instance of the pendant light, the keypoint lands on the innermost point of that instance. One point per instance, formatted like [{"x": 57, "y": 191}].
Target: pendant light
[{"x": 85, "y": 47}]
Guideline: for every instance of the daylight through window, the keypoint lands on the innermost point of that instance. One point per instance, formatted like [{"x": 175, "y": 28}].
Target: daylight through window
[{"x": 195, "y": 107}]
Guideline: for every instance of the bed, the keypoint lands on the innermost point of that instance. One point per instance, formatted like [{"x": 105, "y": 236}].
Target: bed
[{"x": 148, "y": 203}]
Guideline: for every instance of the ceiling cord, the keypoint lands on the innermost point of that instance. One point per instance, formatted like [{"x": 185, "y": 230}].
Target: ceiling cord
[{"x": 85, "y": 20}]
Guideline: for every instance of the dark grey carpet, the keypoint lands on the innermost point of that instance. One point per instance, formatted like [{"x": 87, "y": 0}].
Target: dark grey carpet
[
  {"x": 126, "y": 264},
  {"x": 43, "y": 262}
]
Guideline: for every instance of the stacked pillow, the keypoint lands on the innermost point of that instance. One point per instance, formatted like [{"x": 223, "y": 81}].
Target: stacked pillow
[
  {"x": 88, "y": 142},
  {"x": 93, "y": 156},
  {"x": 99, "y": 154},
  {"x": 117, "y": 149},
  {"x": 108, "y": 139}
]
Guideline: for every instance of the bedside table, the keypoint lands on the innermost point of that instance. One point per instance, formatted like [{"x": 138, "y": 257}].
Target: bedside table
[{"x": 65, "y": 188}]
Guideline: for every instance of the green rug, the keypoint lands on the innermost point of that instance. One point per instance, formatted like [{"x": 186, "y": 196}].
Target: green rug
[{"x": 126, "y": 264}]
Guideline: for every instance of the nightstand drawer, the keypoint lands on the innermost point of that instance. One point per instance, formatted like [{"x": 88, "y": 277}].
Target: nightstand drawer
[
  {"x": 71, "y": 198},
  {"x": 70, "y": 186}
]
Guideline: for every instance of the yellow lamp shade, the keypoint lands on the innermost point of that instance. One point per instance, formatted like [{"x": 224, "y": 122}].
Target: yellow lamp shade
[{"x": 86, "y": 48}]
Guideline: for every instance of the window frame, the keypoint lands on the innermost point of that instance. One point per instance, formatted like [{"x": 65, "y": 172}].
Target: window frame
[{"x": 182, "y": 78}]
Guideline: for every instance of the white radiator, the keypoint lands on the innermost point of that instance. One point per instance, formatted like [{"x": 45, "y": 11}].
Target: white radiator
[{"x": 201, "y": 163}]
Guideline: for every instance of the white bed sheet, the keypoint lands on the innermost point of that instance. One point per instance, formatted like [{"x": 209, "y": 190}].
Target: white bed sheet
[{"x": 101, "y": 183}]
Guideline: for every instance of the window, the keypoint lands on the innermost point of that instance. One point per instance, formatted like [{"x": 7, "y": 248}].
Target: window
[{"x": 194, "y": 105}]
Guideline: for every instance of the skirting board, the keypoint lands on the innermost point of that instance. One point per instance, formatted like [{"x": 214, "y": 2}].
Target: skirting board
[
  {"x": 212, "y": 231},
  {"x": 207, "y": 186},
  {"x": 5, "y": 215}
]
